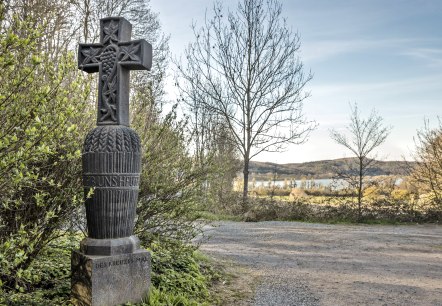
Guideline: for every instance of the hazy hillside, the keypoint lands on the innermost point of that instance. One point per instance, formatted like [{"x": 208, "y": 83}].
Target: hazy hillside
[{"x": 323, "y": 168}]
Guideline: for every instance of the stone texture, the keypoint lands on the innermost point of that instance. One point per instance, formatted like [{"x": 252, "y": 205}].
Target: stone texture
[
  {"x": 111, "y": 166},
  {"x": 110, "y": 280},
  {"x": 113, "y": 58},
  {"x": 117, "y": 246}
]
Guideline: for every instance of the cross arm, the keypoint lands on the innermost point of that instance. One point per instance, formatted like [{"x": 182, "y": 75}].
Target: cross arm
[
  {"x": 89, "y": 57},
  {"x": 136, "y": 55}
]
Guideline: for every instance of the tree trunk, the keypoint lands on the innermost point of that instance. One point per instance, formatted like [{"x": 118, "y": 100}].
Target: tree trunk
[
  {"x": 246, "y": 185},
  {"x": 360, "y": 190}
]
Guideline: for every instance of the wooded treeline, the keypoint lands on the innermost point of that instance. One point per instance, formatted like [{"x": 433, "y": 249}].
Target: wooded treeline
[{"x": 324, "y": 169}]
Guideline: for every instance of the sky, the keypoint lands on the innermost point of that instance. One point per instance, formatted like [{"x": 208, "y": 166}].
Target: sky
[{"x": 382, "y": 55}]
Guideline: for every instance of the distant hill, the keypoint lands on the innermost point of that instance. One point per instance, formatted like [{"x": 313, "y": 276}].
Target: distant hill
[{"x": 323, "y": 168}]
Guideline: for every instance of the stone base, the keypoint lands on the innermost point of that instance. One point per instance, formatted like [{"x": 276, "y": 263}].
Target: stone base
[
  {"x": 109, "y": 247},
  {"x": 110, "y": 280}
]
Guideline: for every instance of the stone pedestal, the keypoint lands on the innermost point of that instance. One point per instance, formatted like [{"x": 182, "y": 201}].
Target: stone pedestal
[{"x": 110, "y": 280}]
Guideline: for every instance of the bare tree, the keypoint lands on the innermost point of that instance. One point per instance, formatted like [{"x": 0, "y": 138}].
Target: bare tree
[
  {"x": 364, "y": 135},
  {"x": 213, "y": 150},
  {"x": 245, "y": 67},
  {"x": 427, "y": 171}
]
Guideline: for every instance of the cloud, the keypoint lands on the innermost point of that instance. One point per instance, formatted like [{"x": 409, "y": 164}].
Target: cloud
[
  {"x": 325, "y": 49},
  {"x": 403, "y": 86},
  {"x": 433, "y": 56},
  {"x": 322, "y": 50},
  {"x": 403, "y": 103}
]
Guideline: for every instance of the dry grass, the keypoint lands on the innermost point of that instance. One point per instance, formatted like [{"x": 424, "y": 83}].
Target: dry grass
[{"x": 237, "y": 285}]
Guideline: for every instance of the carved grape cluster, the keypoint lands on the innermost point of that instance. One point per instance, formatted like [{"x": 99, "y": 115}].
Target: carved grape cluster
[{"x": 108, "y": 58}]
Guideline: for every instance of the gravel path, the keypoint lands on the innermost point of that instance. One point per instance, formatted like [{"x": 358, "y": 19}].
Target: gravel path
[{"x": 320, "y": 264}]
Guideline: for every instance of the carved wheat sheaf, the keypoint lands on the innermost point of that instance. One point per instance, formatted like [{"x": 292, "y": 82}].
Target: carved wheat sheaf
[
  {"x": 119, "y": 140},
  {"x": 111, "y": 138}
]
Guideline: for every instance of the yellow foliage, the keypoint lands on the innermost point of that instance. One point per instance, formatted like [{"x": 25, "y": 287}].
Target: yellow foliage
[
  {"x": 297, "y": 193},
  {"x": 372, "y": 192},
  {"x": 400, "y": 194}
]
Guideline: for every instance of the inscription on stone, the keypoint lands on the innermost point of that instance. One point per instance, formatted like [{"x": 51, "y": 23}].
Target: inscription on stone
[
  {"x": 111, "y": 180},
  {"x": 121, "y": 262}
]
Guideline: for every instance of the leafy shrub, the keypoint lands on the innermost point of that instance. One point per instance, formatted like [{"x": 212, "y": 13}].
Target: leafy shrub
[
  {"x": 323, "y": 209},
  {"x": 163, "y": 298},
  {"x": 175, "y": 269},
  {"x": 42, "y": 119},
  {"x": 168, "y": 194},
  {"x": 271, "y": 191},
  {"x": 180, "y": 276},
  {"x": 427, "y": 174},
  {"x": 376, "y": 192},
  {"x": 48, "y": 277}
]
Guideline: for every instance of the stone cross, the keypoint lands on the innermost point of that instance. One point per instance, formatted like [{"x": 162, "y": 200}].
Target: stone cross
[
  {"x": 110, "y": 268},
  {"x": 113, "y": 58}
]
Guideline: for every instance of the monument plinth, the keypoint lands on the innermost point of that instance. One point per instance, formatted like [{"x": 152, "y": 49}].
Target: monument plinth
[{"x": 110, "y": 268}]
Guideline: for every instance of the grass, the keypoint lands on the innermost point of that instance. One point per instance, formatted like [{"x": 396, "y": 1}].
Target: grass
[
  {"x": 227, "y": 283},
  {"x": 235, "y": 286},
  {"x": 210, "y": 216}
]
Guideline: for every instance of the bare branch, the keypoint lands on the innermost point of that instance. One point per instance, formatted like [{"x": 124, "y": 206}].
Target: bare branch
[
  {"x": 364, "y": 135},
  {"x": 245, "y": 67}
]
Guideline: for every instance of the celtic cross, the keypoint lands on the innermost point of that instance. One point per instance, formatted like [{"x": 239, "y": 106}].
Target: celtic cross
[{"x": 113, "y": 58}]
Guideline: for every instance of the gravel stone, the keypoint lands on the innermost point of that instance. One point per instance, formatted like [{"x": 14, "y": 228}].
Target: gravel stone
[{"x": 321, "y": 264}]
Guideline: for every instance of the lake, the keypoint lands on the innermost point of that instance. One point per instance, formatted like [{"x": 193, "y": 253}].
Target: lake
[
  {"x": 307, "y": 184},
  {"x": 298, "y": 183}
]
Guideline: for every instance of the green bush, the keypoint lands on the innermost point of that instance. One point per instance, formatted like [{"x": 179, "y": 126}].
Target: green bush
[
  {"x": 180, "y": 276},
  {"x": 44, "y": 114},
  {"x": 163, "y": 298},
  {"x": 169, "y": 180},
  {"x": 48, "y": 278},
  {"x": 42, "y": 119},
  {"x": 175, "y": 269}
]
